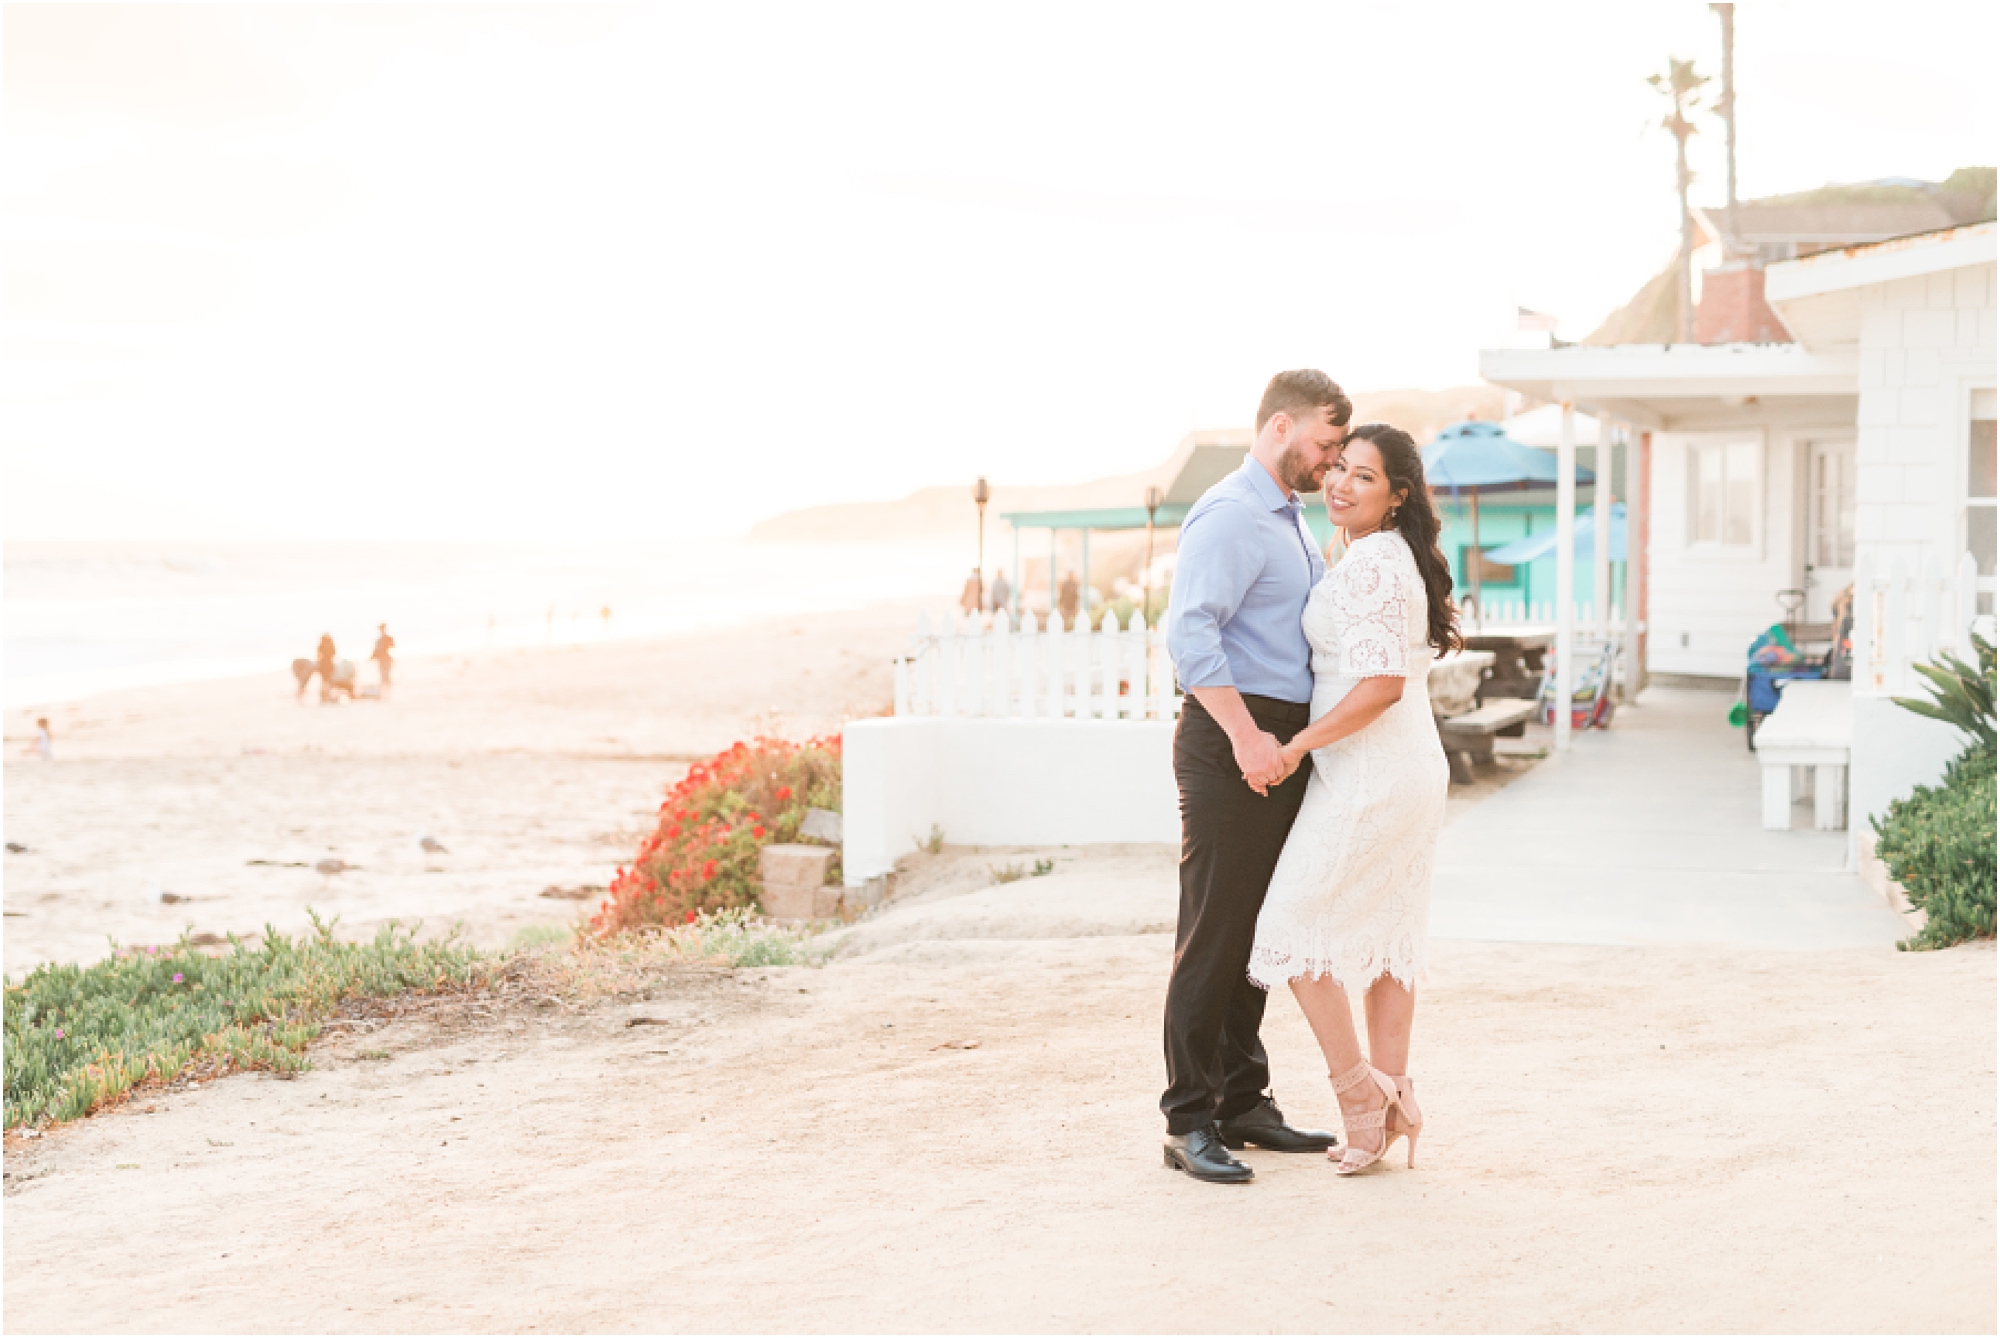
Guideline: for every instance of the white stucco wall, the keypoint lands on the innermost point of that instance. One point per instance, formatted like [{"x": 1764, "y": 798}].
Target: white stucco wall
[{"x": 1002, "y": 782}]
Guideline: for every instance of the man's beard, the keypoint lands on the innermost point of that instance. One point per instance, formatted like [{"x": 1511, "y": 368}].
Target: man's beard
[{"x": 1296, "y": 472}]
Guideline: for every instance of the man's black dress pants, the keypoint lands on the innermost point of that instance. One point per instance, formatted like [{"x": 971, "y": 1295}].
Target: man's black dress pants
[{"x": 1230, "y": 839}]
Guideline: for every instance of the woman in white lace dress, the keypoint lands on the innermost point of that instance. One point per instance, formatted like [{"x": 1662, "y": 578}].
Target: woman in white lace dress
[{"x": 1349, "y": 903}]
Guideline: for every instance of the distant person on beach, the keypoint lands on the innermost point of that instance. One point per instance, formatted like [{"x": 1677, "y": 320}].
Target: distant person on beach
[
  {"x": 384, "y": 661},
  {"x": 43, "y": 745},
  {"x": 1003, "y": 591},
  {"x": 970, "y": 599},
  {"x": 303, "y": 670},
  {"x": 324, "y": 664},
  {"x": 1066, "y": 598}
]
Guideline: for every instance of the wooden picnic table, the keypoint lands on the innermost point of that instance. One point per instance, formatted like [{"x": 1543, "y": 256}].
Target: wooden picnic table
[{"x": 1518, "y": 657}]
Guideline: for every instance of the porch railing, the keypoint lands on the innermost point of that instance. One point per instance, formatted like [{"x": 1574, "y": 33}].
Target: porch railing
[
  {"x": 1909, "y": 614},
  {"x": 1499, "y": 613},
  {"x": 1001, "y": 669}
]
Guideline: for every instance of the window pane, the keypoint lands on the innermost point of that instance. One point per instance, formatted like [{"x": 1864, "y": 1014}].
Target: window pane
[
  {"x": 1979, "y": 463},
  {"x": 1823, "y": 501},
  {"x": 1832, "y": 489},
  {"x": 1741, "y": 505},
  {"x": 1708, "y": 494},
  {"x": 1844, "y": 557},
  {"x": 1979, "y": 536}
]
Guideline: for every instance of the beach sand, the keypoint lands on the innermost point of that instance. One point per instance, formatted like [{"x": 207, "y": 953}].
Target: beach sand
[
  {"x": 1617, "y": 1138},
  {"x": 1672, "y": 1138},
  {"x": 534, "y": 768}
]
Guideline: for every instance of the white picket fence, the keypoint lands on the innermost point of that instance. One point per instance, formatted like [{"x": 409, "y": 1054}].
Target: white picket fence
[
  {"x": 1910, "y": 615},
  {"x": 1501, "y": 613},
  {"x": 1001, "y": 670}
]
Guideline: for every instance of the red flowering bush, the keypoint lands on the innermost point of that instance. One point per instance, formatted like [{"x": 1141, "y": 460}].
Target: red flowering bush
[{"x": 703, "y": 854}]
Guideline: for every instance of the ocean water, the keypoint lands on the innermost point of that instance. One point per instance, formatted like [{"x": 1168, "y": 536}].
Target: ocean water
[{"x": 84, "y": 618}]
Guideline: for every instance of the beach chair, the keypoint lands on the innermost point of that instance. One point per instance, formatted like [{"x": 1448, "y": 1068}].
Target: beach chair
[{"x": 1590, "y": 697}]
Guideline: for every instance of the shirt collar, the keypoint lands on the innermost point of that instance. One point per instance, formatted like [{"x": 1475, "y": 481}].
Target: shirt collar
[{"x": 1274, "y": 497}]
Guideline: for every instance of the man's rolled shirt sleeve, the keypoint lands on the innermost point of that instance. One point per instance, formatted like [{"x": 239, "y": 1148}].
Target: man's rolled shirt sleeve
[{"x": 1213, "y": 571}]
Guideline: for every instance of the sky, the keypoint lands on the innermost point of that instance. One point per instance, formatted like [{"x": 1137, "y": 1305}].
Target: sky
[{"x": 383, "y": 272}]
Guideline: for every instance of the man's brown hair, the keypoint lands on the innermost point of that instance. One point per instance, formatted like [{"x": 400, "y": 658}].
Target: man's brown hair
[{"x": 1299, "y": 393}]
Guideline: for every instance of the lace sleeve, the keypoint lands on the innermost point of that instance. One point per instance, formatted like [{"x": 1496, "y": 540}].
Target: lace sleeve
[{"x": 1372, "y": 602}]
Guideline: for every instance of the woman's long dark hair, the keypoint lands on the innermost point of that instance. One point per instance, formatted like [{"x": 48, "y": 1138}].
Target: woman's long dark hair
[{"x": 1416, "y": 519}]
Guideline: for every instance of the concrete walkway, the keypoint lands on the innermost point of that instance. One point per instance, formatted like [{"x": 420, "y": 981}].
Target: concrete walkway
[{"x": 1649, "y": 833}]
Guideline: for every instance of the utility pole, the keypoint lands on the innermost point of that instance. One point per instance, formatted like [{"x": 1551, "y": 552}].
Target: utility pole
[{"x": 1725, "y": 106}]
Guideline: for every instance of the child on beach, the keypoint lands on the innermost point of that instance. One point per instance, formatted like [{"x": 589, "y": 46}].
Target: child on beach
[{"x": 44, "y": 743}]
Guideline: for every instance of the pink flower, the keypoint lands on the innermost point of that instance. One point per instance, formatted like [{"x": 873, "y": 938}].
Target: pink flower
[
  {"x": 59, "y": 1033},
  {"x": 178, "y": 977}
]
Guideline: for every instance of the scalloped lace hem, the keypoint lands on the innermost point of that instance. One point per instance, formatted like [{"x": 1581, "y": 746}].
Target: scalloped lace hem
[{"x": 1271, "y": 967}]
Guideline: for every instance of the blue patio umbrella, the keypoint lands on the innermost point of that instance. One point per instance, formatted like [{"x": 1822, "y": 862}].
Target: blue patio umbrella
[
  {"x": 1477, "y": 458},
  {"x": 1535, "y": 546}
]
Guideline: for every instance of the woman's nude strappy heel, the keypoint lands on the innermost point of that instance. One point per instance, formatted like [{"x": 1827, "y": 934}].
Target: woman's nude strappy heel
[
  {"x": 1352, "y": 1159},
  {"x": 1408, "y": 1121}
]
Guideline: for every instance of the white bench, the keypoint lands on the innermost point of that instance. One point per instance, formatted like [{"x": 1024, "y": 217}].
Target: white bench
[{"x": 1812, "y": 727}]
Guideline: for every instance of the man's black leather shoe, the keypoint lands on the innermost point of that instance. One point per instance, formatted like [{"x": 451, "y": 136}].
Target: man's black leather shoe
[
  {"x": 1263, "y": 1125},
  {"x": 1202, "y": 1155}
]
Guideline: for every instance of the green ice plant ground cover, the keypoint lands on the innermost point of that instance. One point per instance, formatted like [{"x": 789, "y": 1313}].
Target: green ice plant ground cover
[{"x": 80, "y": 1037}]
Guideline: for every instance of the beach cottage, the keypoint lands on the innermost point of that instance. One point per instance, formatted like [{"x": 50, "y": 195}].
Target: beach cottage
[{"x": 1853, "y": 444}]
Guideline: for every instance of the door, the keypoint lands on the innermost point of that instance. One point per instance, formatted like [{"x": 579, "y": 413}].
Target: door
[{"x": 1829, "y": 525}]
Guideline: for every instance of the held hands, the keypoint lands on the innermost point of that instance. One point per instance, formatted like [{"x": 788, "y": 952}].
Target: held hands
[
  {"x": 1294, "y": 757},
  {"x": 1263, "y": 762}
]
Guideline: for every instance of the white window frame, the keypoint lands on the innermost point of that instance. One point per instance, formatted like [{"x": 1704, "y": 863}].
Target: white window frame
[
  {"x": 1969, "y": 391},
  {"x": 1692, "y": 445}
]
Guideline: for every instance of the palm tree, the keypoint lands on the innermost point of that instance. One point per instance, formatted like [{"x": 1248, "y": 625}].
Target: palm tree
[{"x": 1681, "y": 86}]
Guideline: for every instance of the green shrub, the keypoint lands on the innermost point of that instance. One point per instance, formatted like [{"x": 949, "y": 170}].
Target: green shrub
[
  {"x": 1939, "y": 844},
  {"x": 80, "y": 1037},
  {"x": 1961, "y": 694}
]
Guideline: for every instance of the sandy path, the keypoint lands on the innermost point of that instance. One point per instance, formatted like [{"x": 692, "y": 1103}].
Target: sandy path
[
  {"x": 1646, "y": 1139},
  {"x": 535, "y": 768}
]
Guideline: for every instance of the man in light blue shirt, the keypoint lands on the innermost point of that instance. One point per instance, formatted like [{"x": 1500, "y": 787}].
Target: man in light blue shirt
[{"x": 1245, "y": 565}]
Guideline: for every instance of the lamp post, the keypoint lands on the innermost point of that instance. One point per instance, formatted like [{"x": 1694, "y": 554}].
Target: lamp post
[
  {"x": 1153, "y": 499},
  {"x": 981, "y": 494}
]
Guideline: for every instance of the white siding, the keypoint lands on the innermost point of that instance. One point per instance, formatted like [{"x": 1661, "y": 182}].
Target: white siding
[
  {"x": 1926, "y": 343},
  {"x": 1706, "y": 604}
]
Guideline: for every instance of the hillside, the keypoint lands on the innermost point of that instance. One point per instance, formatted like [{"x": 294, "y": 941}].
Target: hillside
[{"x": 945, "y": 513}]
